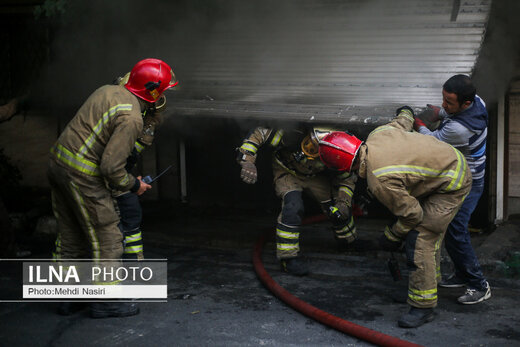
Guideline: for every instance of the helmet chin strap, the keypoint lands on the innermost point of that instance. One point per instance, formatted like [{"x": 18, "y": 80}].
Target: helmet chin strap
[
  {"x": 160, "y": 104},
  {"x": 153, "y": 107}
]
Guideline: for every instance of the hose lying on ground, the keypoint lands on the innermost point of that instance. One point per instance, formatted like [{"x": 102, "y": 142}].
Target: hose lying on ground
[{"x": 323, "y": 317}]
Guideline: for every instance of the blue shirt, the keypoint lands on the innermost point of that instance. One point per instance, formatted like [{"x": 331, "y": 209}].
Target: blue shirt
[{"x": 466, "y": 131}]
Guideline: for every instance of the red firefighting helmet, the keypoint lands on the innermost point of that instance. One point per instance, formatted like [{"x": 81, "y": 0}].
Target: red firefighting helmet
[
  {"x": 338, "y": 150},
  {"x": 149, "y": 79}
]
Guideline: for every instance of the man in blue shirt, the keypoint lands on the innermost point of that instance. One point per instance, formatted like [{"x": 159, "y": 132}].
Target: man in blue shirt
[{"x": 463, "y": 124}]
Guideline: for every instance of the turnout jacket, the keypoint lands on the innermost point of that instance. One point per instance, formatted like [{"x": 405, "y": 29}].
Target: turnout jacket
[
  {"x": 404, "y": 167},
  {"x": 101, "y": 136},
  {"x": 287, "y": 156}
]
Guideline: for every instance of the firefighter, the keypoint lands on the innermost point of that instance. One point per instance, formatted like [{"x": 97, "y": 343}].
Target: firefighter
[
  {"x": 297, "y": 169},
  {"x": 92, "y": 150},
  {"x": 127, "y": 203},
  {"x": 422, "y": 181}
]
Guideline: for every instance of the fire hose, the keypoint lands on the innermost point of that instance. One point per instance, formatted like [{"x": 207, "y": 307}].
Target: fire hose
[{"x": 323, "y": 317}]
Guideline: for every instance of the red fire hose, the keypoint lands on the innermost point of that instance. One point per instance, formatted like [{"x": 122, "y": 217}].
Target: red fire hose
[{"x": 323, "y": 317}]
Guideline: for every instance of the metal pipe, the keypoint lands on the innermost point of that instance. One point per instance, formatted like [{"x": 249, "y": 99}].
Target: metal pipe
[
  {"x": 500, "y": 161},
  {"x": 183, "y": 178}
]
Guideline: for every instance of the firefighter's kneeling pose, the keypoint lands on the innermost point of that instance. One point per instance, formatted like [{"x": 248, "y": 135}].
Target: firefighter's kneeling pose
[
  {"x": 422, "y": 181},
  {"x": 297, "y": 169}
]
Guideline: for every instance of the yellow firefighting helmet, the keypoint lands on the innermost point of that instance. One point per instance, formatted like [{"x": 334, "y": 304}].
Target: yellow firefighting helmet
[{"x": 310, "y": 144}]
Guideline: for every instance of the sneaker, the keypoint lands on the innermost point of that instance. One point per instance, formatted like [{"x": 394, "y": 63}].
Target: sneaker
[
  {"x": 295, "y": 266},
  {"x": 473, "y": 296},
  {"x": 453, "y": 282}
]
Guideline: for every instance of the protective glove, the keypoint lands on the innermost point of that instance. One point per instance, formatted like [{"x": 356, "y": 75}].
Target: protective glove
[
  {"x": 403, "y": 108},
  {"x": 343, "y": 208},
  {"x": 248, "y": 174},
  {"x": 418, "y": 123},
  {"x": 389, "y": 245},
  {"x": 345, "y": 232},
  {"x": 337, "y": 217}
]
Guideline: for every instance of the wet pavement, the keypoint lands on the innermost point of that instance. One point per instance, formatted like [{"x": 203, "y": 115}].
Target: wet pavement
[{"x": 216, "y": 299}]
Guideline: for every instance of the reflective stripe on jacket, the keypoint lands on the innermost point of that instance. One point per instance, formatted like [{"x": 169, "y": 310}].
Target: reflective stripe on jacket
[{"x": 101, "y": 136}]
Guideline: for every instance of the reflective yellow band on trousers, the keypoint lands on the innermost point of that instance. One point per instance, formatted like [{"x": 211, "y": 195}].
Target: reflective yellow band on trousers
[
  {"x": 133, "y": 249},
  {"x": 286, "y": 234},
  {"x": 422, "y": 295},
  {"x": 94, "y": 242},
  {"x": 287, "y": 246}
]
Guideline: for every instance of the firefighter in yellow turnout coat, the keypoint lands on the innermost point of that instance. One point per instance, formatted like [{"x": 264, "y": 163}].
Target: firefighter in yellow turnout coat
[
  {"x": 297, "y": 169},
  {"x": 92, "y": 152},
  {"x": 423, "y": 182}
]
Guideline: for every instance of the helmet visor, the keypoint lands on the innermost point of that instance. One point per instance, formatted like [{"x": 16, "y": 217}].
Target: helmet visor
[
  {"x": 310, "y": 147},
  {"x": 173, "y": 80}
]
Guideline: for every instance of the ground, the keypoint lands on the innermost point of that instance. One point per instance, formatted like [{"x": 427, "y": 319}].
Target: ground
[{"x": 215, "y": 297}]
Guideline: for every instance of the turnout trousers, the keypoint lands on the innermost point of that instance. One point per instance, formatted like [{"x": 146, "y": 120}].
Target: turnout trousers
[
  {"x": 87, "y": 220},
  {"x": 289, "y": 188},
  {"x": 423, "y": 244},
  {"x": 131, "y": 215}
]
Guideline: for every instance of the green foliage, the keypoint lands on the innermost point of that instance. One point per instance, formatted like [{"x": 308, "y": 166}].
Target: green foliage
[
  {"x": 50, "y": 8},
  {"x": 511, "y": 265}
]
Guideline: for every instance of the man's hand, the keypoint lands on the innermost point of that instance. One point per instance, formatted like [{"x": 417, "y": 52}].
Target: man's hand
[
  {"x": 435, "y": 112},
  {"x": 418, "y": 123},
  {"x": 143, "y": 187},
  {"x": 248, "y": 174}
]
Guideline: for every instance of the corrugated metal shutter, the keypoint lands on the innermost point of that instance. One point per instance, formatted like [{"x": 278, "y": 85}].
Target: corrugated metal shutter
[{"x": 351, "y": 52}]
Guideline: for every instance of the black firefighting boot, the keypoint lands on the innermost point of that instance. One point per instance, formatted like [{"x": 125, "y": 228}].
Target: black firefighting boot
[
  {"x": 416, "y": 317},
  {"x": 295, "y": 266},
  {"x": 113, "y": 309},
  {"x": 69, "y": 308}
]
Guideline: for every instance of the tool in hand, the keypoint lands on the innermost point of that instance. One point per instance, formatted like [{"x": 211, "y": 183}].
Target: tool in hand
[{"x": 150, "y": 180}]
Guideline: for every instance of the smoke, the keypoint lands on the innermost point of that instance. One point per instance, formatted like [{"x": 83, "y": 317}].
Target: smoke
[
  {"x": 269, "y": 51},
  {"x": 98, "y": 41}
]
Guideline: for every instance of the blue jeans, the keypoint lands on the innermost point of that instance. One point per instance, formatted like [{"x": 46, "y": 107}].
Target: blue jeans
[{"x": 458, "y": 241}]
